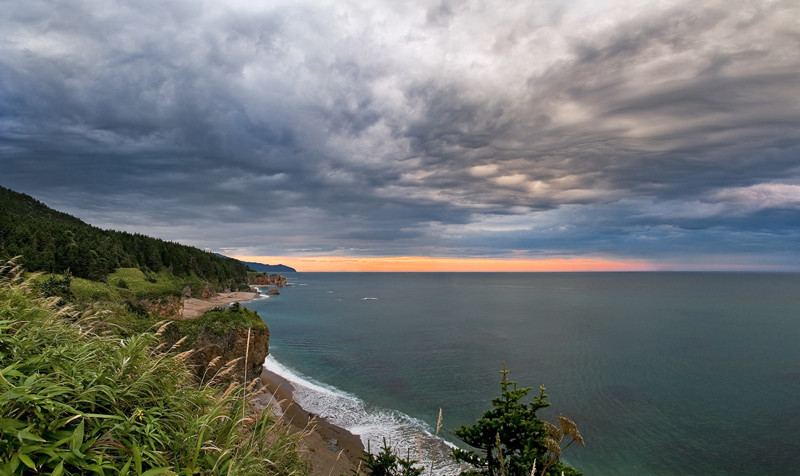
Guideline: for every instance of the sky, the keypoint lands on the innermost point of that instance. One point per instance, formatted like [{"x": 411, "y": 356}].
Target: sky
[{"x": 418, "y": 135}]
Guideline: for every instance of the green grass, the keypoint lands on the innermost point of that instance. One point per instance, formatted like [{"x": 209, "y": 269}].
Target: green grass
[
  {"x": 76, "y": 397},
  {"x": 87, "y": 291},
  {"x": 143, "y": 286}
]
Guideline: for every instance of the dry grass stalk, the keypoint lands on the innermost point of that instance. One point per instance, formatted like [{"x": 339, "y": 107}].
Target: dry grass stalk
[
  {"x": 13, "y": 272},
  {"x": 224, "y": 373},
  {"x": 213, "y": 363},
  {"x": 233, "y": 362},
  {"x": 163, "y": 327},
  {"x": 261, "y": 390},
  {"x": 224, "y": 370},
  {"x": 244, "y": 383},
  {"x": 178, "y": 344},
  {"x": 183, "y": 356},
  {"x": 229, "y": 390}
]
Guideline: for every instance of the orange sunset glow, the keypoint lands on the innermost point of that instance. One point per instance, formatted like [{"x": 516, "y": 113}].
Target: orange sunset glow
[{"x": 426, "y": 264}]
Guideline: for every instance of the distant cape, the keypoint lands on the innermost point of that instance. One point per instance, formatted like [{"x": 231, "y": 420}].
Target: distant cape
[{"x": 265, "y": 268}]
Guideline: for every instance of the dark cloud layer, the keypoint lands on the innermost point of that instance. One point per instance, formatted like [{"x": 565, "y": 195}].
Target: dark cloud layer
[{"x": 544, "y": 128}]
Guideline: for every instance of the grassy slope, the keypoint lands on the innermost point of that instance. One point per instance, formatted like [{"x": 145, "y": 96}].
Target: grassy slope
[{"x": 76, "y": 397}]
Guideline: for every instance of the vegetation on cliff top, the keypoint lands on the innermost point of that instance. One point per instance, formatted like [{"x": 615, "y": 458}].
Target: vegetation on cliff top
[
  {"x": 219, "y": 322},
  {"x": 77, "y": 397}
]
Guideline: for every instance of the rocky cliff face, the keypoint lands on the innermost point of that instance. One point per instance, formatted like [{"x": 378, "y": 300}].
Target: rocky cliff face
[
  {"x": 168, "y": 306},
  {"x": 269, "y": 280},
  {"x": 222, "y": 357}
]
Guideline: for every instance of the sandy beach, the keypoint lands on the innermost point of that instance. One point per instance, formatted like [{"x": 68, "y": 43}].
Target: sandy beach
[
  {"x": 196, "y": 307},
  {"x": 330, "y": 449}
]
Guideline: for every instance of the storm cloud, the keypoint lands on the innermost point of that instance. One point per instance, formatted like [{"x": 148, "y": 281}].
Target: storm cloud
[{"x": 666, "y": 131}]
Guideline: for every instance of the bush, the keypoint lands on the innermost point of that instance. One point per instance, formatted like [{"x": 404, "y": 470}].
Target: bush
[
  {"x": 386, "y": 463},
  {"x": 51, "y": 285}
]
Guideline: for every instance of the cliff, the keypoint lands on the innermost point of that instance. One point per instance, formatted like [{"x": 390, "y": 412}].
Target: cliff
[
  {"x": 219, "y": 343},
  {"x": 167, "y": 306},
  {"x": 222, "y": 356}
]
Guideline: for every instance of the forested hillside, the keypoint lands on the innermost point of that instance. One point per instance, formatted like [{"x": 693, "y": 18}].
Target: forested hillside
[
  {"x": 266, "y": 268},
  {"x": 52, "y": 241}
]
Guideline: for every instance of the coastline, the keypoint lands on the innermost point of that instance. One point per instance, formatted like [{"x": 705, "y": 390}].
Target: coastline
[
  {"x": 193, "y": 307},
  {"x": 330, "y": 449}
]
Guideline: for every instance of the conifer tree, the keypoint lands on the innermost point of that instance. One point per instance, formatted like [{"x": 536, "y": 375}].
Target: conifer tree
[{"x": 509, "y": 439}]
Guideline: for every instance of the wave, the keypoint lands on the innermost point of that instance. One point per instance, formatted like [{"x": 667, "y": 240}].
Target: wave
[{"x": 406, "y": 435}]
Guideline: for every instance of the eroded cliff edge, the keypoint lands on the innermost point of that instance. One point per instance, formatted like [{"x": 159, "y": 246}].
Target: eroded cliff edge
[
  {"x": 222, "y": 345},
  {"x": 227, "y": 357}
]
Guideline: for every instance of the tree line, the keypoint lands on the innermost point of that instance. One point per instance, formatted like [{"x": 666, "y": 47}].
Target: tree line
[{"x": 52, "y": 241}]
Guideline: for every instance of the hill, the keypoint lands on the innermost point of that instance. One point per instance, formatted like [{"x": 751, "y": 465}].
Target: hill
[
  {"x": 52, "y": 241},
  {"x": 269, "y": 268},
  {"x": 265, "y": 268}
]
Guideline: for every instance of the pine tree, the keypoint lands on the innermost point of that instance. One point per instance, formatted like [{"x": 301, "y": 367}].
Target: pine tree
[{"x": 510, "y": 439}]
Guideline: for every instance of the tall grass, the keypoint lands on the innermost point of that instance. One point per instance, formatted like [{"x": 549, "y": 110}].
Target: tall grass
[{"x": 76, "y": 398}]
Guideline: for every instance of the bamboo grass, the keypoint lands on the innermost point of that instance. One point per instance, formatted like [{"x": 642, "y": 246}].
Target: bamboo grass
[{"x": 76, "y": 397}]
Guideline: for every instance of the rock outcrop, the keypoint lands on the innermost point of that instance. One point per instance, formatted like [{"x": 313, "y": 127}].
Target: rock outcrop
[
  {"x": 207, "y": 292},
  {"x": 169, "y": 306},
  {"x": 222, "y": 357},
  {"x": 268, "y": 280}
]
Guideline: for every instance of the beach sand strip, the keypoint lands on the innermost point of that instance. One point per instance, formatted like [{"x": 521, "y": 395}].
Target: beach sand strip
[{"x": 332, "y": 450}]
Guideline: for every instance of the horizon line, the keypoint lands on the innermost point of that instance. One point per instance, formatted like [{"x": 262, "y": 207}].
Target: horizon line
[
  {"x": 422, "y": 264},
  {"x": 425, "y": 264}
]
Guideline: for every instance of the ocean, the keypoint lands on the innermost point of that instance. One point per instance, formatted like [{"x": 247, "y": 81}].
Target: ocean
[{"x": 664, "y": 373}]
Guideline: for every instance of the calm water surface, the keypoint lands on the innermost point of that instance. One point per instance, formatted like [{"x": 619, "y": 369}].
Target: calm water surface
[{"x": 664, "y": 373}]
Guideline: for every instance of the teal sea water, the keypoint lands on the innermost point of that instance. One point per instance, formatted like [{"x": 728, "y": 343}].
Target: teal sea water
[{"x": 664, "y": 373}]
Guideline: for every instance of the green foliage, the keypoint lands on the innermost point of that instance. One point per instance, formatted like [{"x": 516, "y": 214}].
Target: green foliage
[
  {"x": 387, "y": 463},
  {"x": 143, "y": 286},
  {"x": 55, "y": 242},
  {"x": 51, "y": 285},
  {"x": 75, "y": 398},
  {"x": 510, "y": 439},
  {"x": 84, "y": 290},
  {"x": 219, "y": 321}
]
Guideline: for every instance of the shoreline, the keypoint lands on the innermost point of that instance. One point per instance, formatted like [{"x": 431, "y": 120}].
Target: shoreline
[
  {"x": 330, "y": 449},
  {"x": 193, "y": 307}
]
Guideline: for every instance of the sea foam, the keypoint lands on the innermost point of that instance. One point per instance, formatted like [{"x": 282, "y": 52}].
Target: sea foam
[{"x": 371, "y": 423}]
